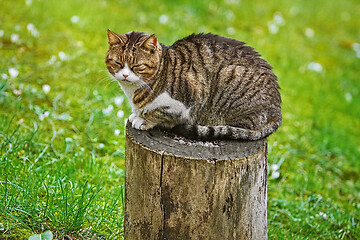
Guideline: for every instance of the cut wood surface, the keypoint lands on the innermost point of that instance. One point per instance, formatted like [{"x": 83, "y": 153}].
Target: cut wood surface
[{"x": 181, "y": 189}]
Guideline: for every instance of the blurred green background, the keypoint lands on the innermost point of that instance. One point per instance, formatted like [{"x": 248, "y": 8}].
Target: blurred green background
[{"x": 62, "y": 117}]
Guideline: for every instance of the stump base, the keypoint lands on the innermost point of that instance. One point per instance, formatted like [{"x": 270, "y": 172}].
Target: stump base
[{"x": 181, "y": 189}]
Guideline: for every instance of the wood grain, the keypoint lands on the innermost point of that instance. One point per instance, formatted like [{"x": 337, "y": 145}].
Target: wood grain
[{"x": 181, "y": 189}]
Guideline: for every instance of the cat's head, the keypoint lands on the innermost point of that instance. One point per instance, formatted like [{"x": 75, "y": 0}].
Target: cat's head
[{"x": 133, "y": 56}]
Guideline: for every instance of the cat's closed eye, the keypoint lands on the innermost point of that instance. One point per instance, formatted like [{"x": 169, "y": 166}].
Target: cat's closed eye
[
  {"x": 138, "y": 68},
  {"x": 119, "y": 64}
]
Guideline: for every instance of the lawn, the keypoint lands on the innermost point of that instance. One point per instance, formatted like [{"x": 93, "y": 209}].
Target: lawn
[{"x": 62, "y": 117}]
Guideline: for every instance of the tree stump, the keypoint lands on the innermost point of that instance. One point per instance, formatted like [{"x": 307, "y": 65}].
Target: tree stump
[{"x": 181, "y": 189}]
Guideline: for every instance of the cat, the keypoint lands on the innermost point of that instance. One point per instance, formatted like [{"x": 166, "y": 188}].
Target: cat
[{"x": 204, "y": 86}]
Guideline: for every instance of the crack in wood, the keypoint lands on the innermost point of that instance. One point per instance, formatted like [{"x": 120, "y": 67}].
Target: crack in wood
[{"x": 161, "y": 234}]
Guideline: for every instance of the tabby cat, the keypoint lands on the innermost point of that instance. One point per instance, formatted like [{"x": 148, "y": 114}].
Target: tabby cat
[{"x": 203, "y": 87}]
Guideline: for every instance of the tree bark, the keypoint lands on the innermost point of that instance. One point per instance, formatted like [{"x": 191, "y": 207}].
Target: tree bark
[{"x": 181, "y": 189}]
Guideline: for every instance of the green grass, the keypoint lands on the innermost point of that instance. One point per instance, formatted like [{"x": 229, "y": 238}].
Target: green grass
[{"x": 62, "y": 166}]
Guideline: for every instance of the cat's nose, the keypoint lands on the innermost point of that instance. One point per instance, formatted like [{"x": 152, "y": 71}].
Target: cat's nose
[{"x": 125, "y": 75}]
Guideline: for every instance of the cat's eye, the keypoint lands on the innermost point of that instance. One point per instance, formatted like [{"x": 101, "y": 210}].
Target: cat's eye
[
  {"x": 138, "y": 68},
  {"x": 119, "y": 63}
]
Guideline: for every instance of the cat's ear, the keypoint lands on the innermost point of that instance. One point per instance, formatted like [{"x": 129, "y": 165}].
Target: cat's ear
[
  {"x": 115, "y": 38},
  {"x": 150, "y": 42}
]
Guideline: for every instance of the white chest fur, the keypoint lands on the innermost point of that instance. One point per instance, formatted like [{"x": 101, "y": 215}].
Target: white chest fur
[{"x": 129, "y": 89}]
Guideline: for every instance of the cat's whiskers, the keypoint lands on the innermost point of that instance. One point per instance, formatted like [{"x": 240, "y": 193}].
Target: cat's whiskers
[
  {"x": 111, "y": 82},
  {"x": 104, "y": 79},
  {"x": 144, "y": 85},
  {"x": 107, "y": 79},
  {"x": 148, "y": 79}
]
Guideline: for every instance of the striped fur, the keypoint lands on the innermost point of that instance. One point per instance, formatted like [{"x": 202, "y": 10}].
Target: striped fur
[{"x": 211, "y": 87}]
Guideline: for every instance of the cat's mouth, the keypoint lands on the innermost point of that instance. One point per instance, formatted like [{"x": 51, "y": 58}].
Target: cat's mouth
[
  {"x": 121, "y": 79},
  {"x": 125, "y": 80}
]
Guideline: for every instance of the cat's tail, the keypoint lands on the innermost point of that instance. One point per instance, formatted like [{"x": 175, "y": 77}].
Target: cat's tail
[{"x": 225, "y": 132}]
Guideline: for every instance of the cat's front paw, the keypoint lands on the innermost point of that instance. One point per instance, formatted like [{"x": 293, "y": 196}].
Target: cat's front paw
[
  {"x": 141, "y": 124},
  {"x": 132, "y": 117}
]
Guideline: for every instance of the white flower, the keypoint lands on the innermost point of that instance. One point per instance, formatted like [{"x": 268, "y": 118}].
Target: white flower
[
  {"x": 120, "y": 114},
  {"x": 68, "y": 140},
  {"x": 101, "y": 145},
  {"x": 62, "y": 56},
  {"x": 31, "y": 28},
  {"x": 75, "y": 19},
  {"x": 46, "y": 88},
  {"x": 4, "y": 76},
  {"x": 229, "y": 15},
  {"x": 273, "y": 28},
  {"x": 275, "y": 174},
  {"x": 17, "y": 92},
  {"x": 275, "y": 167},
  {"x": 1, "y": 33},
  {"x": 13, "y": 72},
  {"x": 108, "y": 109},
  {"x": 230, "y": 30},
  {"x": 323, "y": 215},
  {"x": 309, "y": 32},
  {"x": 314, "y": 66},
  {"x": 278, "y": 19},
  {"x": 14, "y": 38},
  {"x": 119, "y": 100},
  {"x": 348, "y": 97},
  {"x": 163, "y": 19},
  {"x": 116, "y": 132},
  {"x": 52, "y": 60},
  {"x": 28, "y": 2},
  {"x": 356, "y": 47},
  {"x": 44, "y": 115}
]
